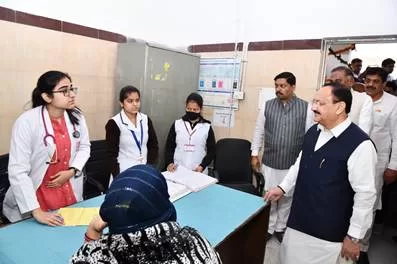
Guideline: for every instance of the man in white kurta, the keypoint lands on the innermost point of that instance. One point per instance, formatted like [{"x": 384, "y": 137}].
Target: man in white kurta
[
  {"x": 280, "y": 127},
  {"x": 330, "y": 106},
  {"x": 362, "y": 106},
  {"x": 383, "y": 134}
]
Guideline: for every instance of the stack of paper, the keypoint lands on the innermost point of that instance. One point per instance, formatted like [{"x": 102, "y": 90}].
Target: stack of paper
[
  {"x": 177, "y": 191},
  {"x": 78, "y": 216},
  {"x": 194, "y": 181}
]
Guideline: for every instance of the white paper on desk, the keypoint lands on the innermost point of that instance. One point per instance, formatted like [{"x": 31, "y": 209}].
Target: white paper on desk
[
  {"x": 177, "y": 191},
  {"x": 195, "y": 181}
]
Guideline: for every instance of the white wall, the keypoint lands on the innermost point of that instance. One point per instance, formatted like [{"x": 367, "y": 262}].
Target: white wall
[{"x": 186, "y": 22}]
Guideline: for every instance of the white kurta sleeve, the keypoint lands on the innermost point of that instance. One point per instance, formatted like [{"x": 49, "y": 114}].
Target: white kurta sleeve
[
  {"x": 259, "y": 132},
  {"x": 393, "y": 130},
  {"x": 361, "y": 168},
  {"x": 289, "y": 181},
  {"x": 309, "y": 117},
  {"x": 366, "y": 115},
  {"x": 19, "y": 167}
]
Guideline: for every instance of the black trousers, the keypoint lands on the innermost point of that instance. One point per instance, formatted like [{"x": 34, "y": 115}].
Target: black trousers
[{"x": 388, "y": 214}]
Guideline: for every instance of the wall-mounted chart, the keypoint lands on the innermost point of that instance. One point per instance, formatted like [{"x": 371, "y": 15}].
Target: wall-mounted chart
[{"x": 218, "y": 79}]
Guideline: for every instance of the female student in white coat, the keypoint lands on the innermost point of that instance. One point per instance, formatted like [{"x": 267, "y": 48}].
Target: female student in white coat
[
  {"x": 130, "y": 135},
  {"x": 49, "y": 148},
  {"x": 191, "y": 140}
]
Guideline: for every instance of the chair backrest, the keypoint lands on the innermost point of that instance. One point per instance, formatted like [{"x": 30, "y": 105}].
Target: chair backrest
[
  {"x": 97, "y": 170},
  {"x": 233, "y": 160},
  {"x": 4, "y": 182}
]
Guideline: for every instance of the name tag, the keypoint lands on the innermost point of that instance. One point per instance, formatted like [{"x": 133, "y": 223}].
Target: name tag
[{"x": 189, "y": 147}]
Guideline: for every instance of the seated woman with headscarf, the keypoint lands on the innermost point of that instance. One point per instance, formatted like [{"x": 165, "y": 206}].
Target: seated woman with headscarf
[{"x": 142, "y": 226}]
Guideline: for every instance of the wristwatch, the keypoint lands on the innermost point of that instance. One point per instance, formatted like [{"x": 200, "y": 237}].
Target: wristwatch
[
  {"x": 353, "y": 239},
  {"x": 77, "y": 172}
]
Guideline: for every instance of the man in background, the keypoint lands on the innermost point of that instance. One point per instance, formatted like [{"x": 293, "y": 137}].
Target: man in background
[
  {"x": 280, "y": 126},
  {"x": 388, "y": 66},
  {"x": 384, "y": 135},
  {"x": 391, "y": 87},
  {"x": 361, "y": 109},
  {"x": 356, "y": 65}
]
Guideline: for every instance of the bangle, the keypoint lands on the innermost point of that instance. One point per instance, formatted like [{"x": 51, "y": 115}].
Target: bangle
[
  {"x": 87, "y": 238},
  {"x": 281, "y": 188}
]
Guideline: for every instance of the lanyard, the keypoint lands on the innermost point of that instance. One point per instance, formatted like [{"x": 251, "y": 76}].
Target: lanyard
[
  {"x": 138, "y": 144},
  {"x": 190, "y": 134}
]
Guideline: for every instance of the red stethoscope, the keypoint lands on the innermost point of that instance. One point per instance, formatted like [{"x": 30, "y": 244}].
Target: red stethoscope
[{"x": 75, "y": 134}]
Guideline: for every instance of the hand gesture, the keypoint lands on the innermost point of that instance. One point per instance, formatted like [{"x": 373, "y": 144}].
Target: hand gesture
[
  {"x": 171, "y": 167},
  {"x": 96, "y": 227},
  {"x": 199, "y": 168},
  {"x": 274, "y": 194},
  {"x": 255, "y": 164},
  {"x": 47, "y": 218},
  {"x": 390, "y": 176},
  {"x": 350, "y": 249},
  {"x": 60, "y": 178}
]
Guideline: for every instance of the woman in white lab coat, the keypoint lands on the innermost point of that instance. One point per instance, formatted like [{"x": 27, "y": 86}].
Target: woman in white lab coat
[
  {"x": 191, "y": 140},
  {"x": 49, "y": 148},
  {"x": 130, "y": 135}
]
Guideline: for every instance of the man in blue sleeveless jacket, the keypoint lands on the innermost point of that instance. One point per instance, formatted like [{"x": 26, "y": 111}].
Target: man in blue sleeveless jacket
[{"x": 334, "y": 186}]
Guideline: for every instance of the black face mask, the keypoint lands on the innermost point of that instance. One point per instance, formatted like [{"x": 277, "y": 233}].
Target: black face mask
[{"x": 192, "y": 115}]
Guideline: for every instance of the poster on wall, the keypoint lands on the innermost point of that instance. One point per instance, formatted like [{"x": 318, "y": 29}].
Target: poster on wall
[
  {"x": 223, "y": 118},
  {"x": 219, "y": 100},
  {"x": 218, "y": 79}
]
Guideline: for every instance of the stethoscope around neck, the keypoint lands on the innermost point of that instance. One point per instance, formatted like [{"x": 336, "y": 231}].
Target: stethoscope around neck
[{"x": 75, "y": 134}]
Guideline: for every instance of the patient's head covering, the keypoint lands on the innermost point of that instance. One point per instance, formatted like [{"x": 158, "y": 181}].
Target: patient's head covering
[{"x": 138, "y": 198}]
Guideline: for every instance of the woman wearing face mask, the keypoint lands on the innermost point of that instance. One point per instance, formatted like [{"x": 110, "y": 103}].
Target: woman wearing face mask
[
  {"x": 49, "y": 148},
  {"x": 191, "y": 140},
  {"x": 130, "y": 135}
]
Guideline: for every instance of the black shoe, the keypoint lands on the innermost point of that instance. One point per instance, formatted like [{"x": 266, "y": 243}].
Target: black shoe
[
  {"x": 279, "y": 236},
  {"x": 363, "y": 259},
  {"x": 268, "y": 236}
]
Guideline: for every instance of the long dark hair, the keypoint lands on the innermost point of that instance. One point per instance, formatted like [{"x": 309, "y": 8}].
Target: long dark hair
[
  {"x": 125, "y": 92},
  {"x": 45, "y": 84}
]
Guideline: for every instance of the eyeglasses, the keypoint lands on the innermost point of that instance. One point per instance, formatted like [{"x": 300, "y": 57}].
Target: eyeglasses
[
  {"x": 322, "y": 103},
  {"x": 66, "y": 92}
]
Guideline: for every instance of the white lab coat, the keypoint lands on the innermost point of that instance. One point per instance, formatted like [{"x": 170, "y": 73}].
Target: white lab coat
[
  {"x": 190, "y": 158},
  {"x": 128, "y": 150},
  {"x": 28, "y": 156},
  {"x": 384, "y": 135}
]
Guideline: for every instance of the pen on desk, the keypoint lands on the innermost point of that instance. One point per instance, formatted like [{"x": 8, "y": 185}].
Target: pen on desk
[{"x": 321, "y": 163}]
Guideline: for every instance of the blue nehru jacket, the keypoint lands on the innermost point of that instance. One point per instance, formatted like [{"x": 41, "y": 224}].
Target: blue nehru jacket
[{"x": 323, "y": 198}]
